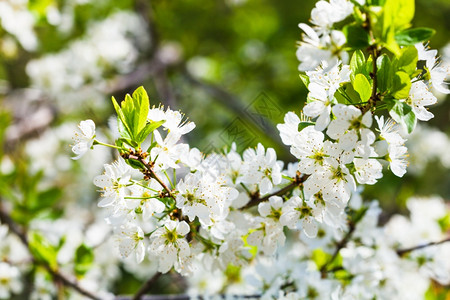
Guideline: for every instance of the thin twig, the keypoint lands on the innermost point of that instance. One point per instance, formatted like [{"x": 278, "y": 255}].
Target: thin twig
[
  {"x": 151, "y": 172},
  {"x": 374, "y": 96},
  {"x": 298, "y": 181},
  {"x": 402, "y": 252},
  {"x": 14, "y": 228},
  {"x": 339, "y": 245},
  {"x": 146, "y": 286}
]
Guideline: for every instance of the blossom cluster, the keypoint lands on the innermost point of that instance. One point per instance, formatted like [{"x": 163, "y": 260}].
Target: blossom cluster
[
  {"x": 260, "y": 226},
  {"x": 192, "y": 212}
]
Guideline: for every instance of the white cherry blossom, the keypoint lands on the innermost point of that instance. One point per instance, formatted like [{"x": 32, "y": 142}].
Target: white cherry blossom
[
  {"x": 10, "y": 282},
  {"x": 130, "y": 238},
  {"x": 170, "y": 246},
  {"x": 262, "y": 168},
  {"x": 114, "y": 183},
  {"x": 397, "y": 158},
  {"x": 349, "y": 126},
  {"x": 84, "y": 139},
  {"x": 298, "y": 211},
  {"x": 419, "y": 97}
]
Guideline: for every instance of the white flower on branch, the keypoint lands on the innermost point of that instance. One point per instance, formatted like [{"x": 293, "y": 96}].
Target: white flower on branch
[
  {"x": 170, "y": 246},
  {"x": 269, "y": 232},
  {"x": 437, "y": 72},
  {"x": 114, "y": 183},
  {"x": 419, "y": 97},
  {"x": 10, "y": 281},
  {"x": 335, "y": 181},
  {"x": 84, "y": 139},
  {"x": 324, "y": 83},
  {"x": 130, "y": 238},
  {"x": 298, "y": 211},
  {"x": 261, "y": 168},
  {"x": 349, "y": 126},
  {"x": 315, "y": 48},
  {"x": 311, "y": 150},
  {"x": 325, "y": 14},
  {"x": 397, "y": 158}
]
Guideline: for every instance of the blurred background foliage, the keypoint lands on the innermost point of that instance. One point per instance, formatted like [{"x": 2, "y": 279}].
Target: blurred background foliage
[
  {"x": 229, "y": 65},
  {"x": 243, "y": 48}
]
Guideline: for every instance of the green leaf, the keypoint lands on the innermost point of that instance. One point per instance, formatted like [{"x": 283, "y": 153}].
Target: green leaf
[
  {"x": 84, "y": 257},
  {"x": 357, "y": 64},
  {"x": 407, "y": 61},
  {"x": 149, "y": 128},
  {"x": 444, "y": 223},
  {"x": 384, "y": 74},
  {"x": 303, "y": 125},
  {"x": 132, "y": 117},
  {"x": 391, "y": 44},
  {"x": 395, "y": 15},
  {"x": 130, "y": 112},
  {"x": 401, "y": 85},
  {"x": 363, "y": 87},
  {"x": 398, "y": 13},
  {"x": 121, "y": 120},
  {"x": 42, "y": 250},
  {"x": 357, "y": 36},
  {"x": 402, "y": 113},
  {"x": 142, "y": 105},
  {"x": 348, "y": 93},
  {"x": 410, "y": 37},
  {"x": 46, "y": 199},
  {"x": 305, "y": 79},
  {"x": 369, "y": 66}
]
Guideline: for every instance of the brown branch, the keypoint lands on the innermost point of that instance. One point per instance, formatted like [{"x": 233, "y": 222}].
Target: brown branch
[
  {"x": 339, "y": 245},
  {"x": 298, "y": 182},
  {"x": 146, "y": 286},
  {"x": 58, "y": 276},
  {"x": 402, "y": 252},
  {"x": 149, "y": 170},
  {"x": 374, "y": 96}
]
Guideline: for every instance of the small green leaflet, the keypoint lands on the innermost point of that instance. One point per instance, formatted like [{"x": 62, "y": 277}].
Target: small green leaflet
[
  {"x": 384, "y": 73},
  {"x": 402, "y": 113},
  {"x": 357, "y": 37},
  {"x": 407, "y": 61},
  {"x": 84, "y": 257},
  {"x": 412, "y": 36},
  {"x": 357, "y": 64},
  {"x": 132, "y": 118},
  {"x": 42, "y": 250},
  {"x": 401, "y": 85},
  {"x": 363, "y": 87}
]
